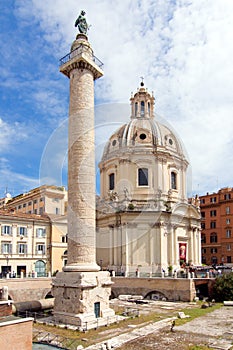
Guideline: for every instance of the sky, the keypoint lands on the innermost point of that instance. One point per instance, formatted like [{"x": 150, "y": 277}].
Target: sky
[{"x": 182, "y": 48}]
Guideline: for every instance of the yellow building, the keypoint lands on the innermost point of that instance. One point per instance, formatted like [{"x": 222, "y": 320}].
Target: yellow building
[
  {"x": 41, "y": 200},
  {"x": 58, "y": 243},
  {"x": 44, "y": 203}
]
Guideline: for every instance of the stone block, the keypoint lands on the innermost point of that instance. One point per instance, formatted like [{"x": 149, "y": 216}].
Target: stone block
[
  {"x": 228, "y": 303},
  {"x": 107, "y": 313},
  {"x": 182, "y": 315},
  {"x": 124, "y": 297}
]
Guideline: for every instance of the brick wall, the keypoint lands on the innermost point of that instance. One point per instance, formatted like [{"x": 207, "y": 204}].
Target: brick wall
[{"x": 16, "y": 335}]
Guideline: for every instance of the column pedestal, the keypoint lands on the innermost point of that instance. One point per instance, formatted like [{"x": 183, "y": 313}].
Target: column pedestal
[{"x": 81, "y": 297}]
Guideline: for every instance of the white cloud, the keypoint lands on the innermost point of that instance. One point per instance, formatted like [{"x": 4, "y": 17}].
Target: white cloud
[
  {"x": 183, "y": 49},
  {"x": 10, "y": 134},
  {"x": 12, "y": 181}
]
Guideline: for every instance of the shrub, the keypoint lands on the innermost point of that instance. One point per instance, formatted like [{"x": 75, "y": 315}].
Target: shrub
[{"x": 223, "y": 288}]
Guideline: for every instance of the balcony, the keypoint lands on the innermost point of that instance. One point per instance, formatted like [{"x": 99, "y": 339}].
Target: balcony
[{"x": 80, "y": 49}]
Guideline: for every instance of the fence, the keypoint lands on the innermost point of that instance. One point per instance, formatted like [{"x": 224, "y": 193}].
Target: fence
[
  {"x": 80, "y": 49},
  {"x": 61, "y": 342},
  {"x": 48, "y": 319},
  {"x": 57, "y": 340}
]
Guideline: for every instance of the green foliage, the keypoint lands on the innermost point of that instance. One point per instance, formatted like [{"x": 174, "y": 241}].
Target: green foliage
[
  {"x": 131, "y": 206},
  {"x": 223, "y": 288}
]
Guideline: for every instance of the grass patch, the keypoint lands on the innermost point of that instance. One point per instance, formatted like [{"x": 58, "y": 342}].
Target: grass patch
[
  {"x": 93, "y": 334},
  {"x": 200, "y": 347},
  {"x": 104, "y": 333},
  {"x": 197, "y": 312}
]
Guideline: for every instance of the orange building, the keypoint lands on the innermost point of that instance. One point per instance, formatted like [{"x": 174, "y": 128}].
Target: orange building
[{"x": 217, "y": 227}]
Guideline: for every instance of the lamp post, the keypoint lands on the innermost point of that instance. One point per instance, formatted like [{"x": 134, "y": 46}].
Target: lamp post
[
  {"x": 7, "y": 264},
  {"x": 7, "y": 261}
]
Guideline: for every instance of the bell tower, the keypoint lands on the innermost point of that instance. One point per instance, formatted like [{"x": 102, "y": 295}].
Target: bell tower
[{"x": 81, "y": 290}]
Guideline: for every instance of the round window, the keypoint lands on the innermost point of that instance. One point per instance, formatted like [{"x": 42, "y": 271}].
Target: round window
[
  {"x": 170, "y": 141},
  {"x": 114, "y": 142},
  {"x": 142, "y": 136}
]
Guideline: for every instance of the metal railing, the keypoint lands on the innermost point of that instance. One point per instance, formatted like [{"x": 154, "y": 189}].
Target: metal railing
[
  {"x": 80, "y": 49},
  {"x": 47, "y": 318},
  {"x": 57, "y": 340}
]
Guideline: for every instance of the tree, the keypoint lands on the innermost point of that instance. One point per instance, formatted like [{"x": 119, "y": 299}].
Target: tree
[{"x": 223, "y": 288}]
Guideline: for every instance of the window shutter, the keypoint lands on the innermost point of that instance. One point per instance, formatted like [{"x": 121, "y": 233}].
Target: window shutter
[
  {"x": 10, "y": 248},
  {"x": 2, "y": 230},
  {"x": 10, "y": 230}
]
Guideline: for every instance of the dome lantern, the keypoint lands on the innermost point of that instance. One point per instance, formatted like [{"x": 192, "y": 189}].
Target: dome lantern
[{"x": 142, "y": 104}]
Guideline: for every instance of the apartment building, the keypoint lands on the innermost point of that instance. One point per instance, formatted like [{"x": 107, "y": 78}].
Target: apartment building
[
  {"x": 217, "y": 227},
  {"x": 24, "y": 242},
  {"x": 22, "y": 231},
  {"x": 41, "y": 200}
]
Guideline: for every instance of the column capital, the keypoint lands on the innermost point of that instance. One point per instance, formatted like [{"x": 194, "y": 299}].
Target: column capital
[{"x": 81, "y": 57}]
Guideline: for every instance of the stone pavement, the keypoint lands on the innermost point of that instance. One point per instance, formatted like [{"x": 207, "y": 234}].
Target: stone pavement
[
  {"x": 121, "y": 339},
  {"x": 216, "y": 328}
]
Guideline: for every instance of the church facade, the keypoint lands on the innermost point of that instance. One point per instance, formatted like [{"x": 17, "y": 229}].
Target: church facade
[{"x": 145, "y": 224}]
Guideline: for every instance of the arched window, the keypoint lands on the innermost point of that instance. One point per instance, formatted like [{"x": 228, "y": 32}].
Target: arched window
[
  {"x": 149, "y": 108},
  {"x": 111, "y": 182},
  {"x": 64, "y": 239},
  {"x": 64, "y": 258},
  {"x": 40, "y": 268},
  {"x": 136, "y": 109},
  {"x": 173, "y": 180},
  {"x": 213, "y": 238},
  {"x": 142, "y": 177},
  {"x": 142, "y": 108}
]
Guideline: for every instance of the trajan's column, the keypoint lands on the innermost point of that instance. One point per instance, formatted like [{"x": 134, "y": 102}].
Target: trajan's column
[{"x": 81, "y": 291}]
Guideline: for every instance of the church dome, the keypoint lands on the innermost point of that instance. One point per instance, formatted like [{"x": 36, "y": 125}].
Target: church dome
[
  {"x": 144, "y": 156},
  {"x": 143, "y": 215},
  {"x": 143, "y": 132}
]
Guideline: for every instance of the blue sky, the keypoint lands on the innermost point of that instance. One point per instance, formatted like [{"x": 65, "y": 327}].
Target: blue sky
[{"x": 183, "y": 49}]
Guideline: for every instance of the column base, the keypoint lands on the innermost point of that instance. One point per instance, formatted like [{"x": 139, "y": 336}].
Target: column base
[
  {"x": 81, "y": 298},
  {"x": 81, "y": 267}
]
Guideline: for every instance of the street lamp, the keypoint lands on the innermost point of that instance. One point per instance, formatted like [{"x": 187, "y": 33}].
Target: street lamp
[{"x": 7, "y": 263}]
